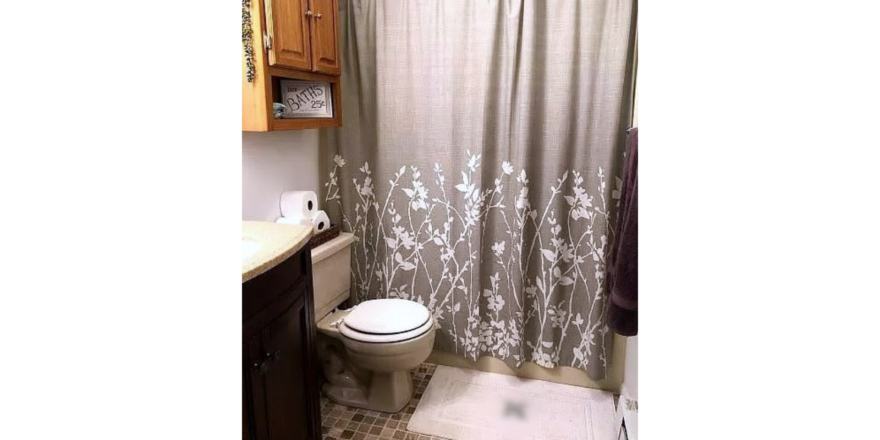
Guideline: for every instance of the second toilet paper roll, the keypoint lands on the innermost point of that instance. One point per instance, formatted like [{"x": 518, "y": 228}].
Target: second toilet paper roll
[
  {"x": 299, "y": 203},
  {"x": 320, "y": 222}
]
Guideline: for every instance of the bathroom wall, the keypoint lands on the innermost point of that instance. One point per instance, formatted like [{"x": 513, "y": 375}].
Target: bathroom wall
[
  {"x": 630, "y": 385},
  {"x": 272, "y": 163}
]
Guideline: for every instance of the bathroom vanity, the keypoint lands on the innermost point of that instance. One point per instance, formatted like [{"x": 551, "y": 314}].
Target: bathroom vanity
[{"x": 280, "y": 365}]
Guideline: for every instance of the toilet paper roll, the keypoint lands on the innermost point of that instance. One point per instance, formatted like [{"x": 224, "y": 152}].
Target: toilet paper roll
[
  {"x": 299, "y": 203},
  {"x": 295, "y": 220},
  {"x": 320, "y": 222}
]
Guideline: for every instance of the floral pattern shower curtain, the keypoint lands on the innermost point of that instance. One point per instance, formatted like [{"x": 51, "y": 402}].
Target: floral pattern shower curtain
[{"x": 477, "y": 167}]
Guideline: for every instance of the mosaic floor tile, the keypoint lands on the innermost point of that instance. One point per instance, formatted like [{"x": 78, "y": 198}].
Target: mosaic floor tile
[{"x": 341, "y": 422}]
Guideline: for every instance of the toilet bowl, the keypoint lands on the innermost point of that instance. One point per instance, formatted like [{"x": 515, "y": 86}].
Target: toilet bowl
[
  {"x": 367, "y": 352},
  {"x": 369, "y": 366}
]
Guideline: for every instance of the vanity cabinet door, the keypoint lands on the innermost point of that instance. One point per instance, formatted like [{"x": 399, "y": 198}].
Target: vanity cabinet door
[
  {"x": 281, "y": 396},
  {"x": 253, "y": 399},
  {"x": 286, "y": 380},
  {"x": 246, "y": 433}
]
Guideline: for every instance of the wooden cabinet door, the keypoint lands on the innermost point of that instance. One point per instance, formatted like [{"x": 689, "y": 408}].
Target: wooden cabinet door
[
  {"x": 288, "y": 25},
  {"x": 253, "y": 398},
  {"x": 285, "y": 381},
  {"x": 325, "y": 47},
  {"x": 246, "y": 430}
]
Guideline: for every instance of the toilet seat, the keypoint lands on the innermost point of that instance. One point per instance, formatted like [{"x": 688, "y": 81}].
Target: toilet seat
[
  {"x": 350, "y": 333},
  {"x": 386, "y": 320}
]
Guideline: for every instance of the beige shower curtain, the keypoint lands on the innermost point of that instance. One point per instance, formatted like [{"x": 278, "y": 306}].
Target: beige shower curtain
[{"x": 477, "y": 167}]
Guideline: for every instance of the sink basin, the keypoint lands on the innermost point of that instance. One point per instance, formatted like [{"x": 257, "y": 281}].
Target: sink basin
[{"x": 248, "y": 249}]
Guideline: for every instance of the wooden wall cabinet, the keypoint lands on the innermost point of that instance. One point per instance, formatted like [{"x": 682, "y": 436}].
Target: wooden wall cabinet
[
  {"x": 303, "y": 35},
  {"x": 280, "y": 367},
  {"x": 292, "y": 39}
]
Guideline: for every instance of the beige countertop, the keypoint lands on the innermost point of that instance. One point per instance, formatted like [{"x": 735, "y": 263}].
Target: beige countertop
[{"x": 265, "y": 244}]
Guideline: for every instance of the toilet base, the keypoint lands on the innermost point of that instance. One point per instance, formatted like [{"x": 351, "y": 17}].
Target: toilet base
[
  {"x": 387, "y": 392},
  {"x": 350, "y": 385}
]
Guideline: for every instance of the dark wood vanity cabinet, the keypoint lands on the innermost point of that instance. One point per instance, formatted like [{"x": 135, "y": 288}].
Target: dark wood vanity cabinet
[{"x": 280, "y": 395}]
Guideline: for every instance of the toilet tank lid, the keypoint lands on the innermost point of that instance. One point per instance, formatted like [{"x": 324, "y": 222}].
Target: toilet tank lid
[
  {"x": 387, "y": 316},
  {"x": 329, "y": 248}
]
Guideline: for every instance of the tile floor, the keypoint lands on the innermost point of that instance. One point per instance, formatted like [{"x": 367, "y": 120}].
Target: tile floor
[{"x": 342, "y": 422}]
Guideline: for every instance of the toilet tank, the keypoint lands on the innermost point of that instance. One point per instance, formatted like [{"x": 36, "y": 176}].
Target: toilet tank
[{"x": 331, "y": 273}]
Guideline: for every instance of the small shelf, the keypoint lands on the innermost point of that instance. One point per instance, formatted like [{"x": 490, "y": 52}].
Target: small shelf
[
  {"x": 277, "y": 74},
  {"x": 273, "y": 86}
]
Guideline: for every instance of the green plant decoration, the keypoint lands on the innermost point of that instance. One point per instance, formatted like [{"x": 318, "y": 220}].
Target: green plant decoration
[{"x": 247, "y": 34}]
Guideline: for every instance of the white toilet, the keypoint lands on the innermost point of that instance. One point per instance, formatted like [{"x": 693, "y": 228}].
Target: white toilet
[{"x": 367, "y": 352}]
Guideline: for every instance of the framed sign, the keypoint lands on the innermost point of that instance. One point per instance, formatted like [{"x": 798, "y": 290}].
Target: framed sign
[{"x": 306, "y": 99}]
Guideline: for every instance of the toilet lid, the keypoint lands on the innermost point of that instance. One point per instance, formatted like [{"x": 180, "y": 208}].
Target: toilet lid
[{"x": 387, "y": 316}]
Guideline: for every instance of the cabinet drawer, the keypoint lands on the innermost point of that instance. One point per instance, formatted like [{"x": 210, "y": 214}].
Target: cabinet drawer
[{"x": 261, "y": 291}]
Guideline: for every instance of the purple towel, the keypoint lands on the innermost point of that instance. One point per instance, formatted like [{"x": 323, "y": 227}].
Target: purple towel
[{"x": 623, "y": 272}]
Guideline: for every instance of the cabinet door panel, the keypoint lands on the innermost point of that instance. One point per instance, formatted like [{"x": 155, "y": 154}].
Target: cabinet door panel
[
  {"x": 285, "y": 379},
  {"x": 325, "y": 48},
  {"x": 287, "y": 23},
  {"x": 254, "y": 401},
  {"x": 246, "y": 433}
]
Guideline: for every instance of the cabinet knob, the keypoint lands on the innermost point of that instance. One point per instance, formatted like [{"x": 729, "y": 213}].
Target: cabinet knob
[
  {"x": 318, "y": 15},
  {"x": 275, "y": 356},
  {"x": 309, "y": 13},
  {"x": 261, "y": 366}
]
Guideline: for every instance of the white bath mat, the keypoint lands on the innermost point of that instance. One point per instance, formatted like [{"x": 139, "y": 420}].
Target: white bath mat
[{"x": 472, "y": 405}]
